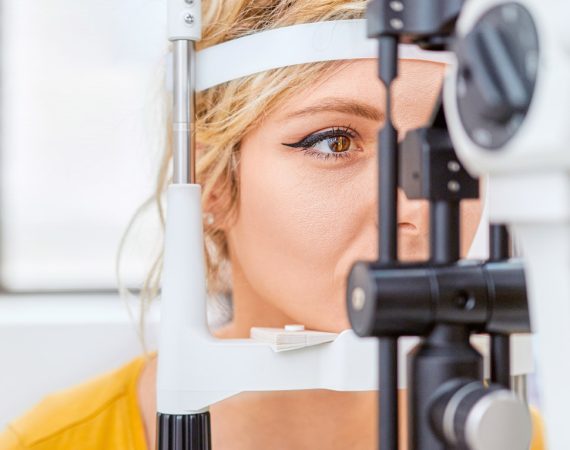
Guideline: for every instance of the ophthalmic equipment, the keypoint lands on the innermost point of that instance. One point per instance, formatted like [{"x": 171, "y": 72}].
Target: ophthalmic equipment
[
  {"x": 508, "y": 103},
  {"x": 441, "y": 302}
]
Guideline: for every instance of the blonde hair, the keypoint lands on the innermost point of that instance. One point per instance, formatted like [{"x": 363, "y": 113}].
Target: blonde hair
[{"x": 226, "y": 113}]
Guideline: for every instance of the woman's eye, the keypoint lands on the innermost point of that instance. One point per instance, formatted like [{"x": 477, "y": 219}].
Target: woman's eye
[{"x": 335, "y": 143}]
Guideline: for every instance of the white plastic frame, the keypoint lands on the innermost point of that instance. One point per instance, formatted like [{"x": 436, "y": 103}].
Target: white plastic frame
[{"x": 529, "y": 189}]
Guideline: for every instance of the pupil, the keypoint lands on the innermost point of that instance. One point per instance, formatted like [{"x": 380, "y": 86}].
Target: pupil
[{"x": 339, "y": 144}]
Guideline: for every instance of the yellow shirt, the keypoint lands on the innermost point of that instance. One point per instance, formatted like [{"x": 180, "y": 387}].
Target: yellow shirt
[{"x": 103, "y": 414}]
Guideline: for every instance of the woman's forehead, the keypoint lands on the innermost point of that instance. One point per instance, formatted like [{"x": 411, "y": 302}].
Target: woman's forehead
[{"x": 359, "y": 80}]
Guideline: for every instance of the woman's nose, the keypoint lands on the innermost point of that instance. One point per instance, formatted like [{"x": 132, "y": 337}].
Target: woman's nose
[{"x": 412, "y": 214}]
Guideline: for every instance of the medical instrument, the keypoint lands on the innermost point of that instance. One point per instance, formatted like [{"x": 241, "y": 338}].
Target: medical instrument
[
  {"x": 194, "y": 369},
  {"x": 507, "y": 105},
  {"x": 444, "y": 300}
]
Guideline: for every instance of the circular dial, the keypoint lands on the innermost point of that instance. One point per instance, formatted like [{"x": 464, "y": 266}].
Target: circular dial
[
  {"x": 497, "y": 70},
  {"x": 469, "y": 414}
]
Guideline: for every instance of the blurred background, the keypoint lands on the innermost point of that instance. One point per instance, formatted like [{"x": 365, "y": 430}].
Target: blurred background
[{"x": 80, "y": 140}]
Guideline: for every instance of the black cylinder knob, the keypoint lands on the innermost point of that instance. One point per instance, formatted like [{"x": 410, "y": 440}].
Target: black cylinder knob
[
  {"x": 183, "y": 431},
  {"x": 445, "y": 354},
  {"x": 408, "y": 299}
]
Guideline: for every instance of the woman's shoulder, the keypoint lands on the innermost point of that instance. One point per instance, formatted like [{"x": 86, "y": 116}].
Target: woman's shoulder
[{"x": 102, "y": 413}]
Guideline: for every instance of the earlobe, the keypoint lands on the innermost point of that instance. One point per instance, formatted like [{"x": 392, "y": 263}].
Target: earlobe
[
  {"x": 218, "y": 207},
  {"x": 208, "y": 218},
  {"x": 218, "y": 175}
]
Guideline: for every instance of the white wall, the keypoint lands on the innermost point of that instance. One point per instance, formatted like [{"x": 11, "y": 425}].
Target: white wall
[
  {"x": 80, "y": 137},
  {"x": 53, "y": 342}
]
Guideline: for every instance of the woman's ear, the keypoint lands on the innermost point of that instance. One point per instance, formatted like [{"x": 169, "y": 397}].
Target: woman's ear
[
  {"x": 212, "y": 214},
  {"x": 219, "y": 181},
  {"x": 219, "y": 203},
  {"x": 218, "y": 218}
]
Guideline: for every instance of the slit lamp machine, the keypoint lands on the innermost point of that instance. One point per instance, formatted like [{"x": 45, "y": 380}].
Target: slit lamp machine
[{"x": 453, "y": 332}]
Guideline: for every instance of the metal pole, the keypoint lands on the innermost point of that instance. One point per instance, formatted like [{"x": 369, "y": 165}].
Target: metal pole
[
  {"x": 183, "y": 135},
  {"x": 444, "y": 231},
  {"x": 388, "y": 243},
  {"x": 499, "y": 250}
]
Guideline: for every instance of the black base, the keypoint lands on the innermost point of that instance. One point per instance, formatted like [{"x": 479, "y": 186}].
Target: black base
[{"x": 183, "y": 432}]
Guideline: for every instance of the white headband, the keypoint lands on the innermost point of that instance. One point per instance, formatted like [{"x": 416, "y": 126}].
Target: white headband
[{"x": 296, "y": 44}]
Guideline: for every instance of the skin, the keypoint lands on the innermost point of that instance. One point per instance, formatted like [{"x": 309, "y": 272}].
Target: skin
[{"x": 303, "y": 220}]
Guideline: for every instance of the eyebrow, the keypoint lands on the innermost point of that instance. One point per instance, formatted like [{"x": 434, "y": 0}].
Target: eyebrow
[{"x": 347, "y": 106}]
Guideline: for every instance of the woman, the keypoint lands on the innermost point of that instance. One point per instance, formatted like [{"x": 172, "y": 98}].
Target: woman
[{"x": 287, "y": 165}]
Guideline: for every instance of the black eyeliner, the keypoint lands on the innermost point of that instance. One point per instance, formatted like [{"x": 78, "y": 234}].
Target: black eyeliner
[{"x": 315, "y": 138}]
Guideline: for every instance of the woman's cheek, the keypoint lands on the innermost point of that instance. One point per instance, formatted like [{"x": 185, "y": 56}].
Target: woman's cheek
[
  {"x": 297, "y": 205},
  {"x": 471, "y": 211},
  {"x": 295, "y": 224}
]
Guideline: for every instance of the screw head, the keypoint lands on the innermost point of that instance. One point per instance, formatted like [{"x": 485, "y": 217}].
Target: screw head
[
  {"x": 189, "y": 2},
  {"x": 358, "y": 298},
  {"x": 453, "y": 166},
  {"x": 453, "y": 186},
  {"x": 510, "y": 13},
  {"x": 397, "y": 6},
  {"x": 189, "y": 19},
  {"x": 396, "y": 23},
  {"x": 482, "y": 137}
]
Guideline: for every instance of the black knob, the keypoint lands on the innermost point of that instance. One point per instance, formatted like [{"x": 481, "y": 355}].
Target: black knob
[
  {"x": 503, "y": 89},
  {"x": 498, "y": 64},
  {"x": 184, "y": 431}
]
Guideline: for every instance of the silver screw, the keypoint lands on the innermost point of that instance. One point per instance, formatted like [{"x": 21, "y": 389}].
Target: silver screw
[
  {"x": 189, "y": 19},
  {"x": 397, "y": 6},
  {"x": 396, "y": 23},
  {"x": 358, "y": 298},
  {"x": 453, "y": 186},
  {"x": 189, "y": 2},
  {"x": 510, "y": 13},
  {"x": 482, "y": 137},
  {"x": 453, "y": 166}
]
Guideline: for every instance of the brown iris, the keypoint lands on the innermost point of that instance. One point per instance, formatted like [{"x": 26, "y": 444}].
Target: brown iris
[{"x": 339, "y": 144}]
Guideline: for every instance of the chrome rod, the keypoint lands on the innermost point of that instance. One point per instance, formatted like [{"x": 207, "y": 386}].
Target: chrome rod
[{"x": 183, "y": 112}]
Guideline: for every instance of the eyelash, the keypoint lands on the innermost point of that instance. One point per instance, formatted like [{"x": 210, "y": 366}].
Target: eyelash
[{"x": 309, "y": 142}]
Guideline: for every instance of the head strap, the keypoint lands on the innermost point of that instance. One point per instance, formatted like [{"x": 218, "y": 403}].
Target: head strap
[{"x": 295, "y": 44}]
